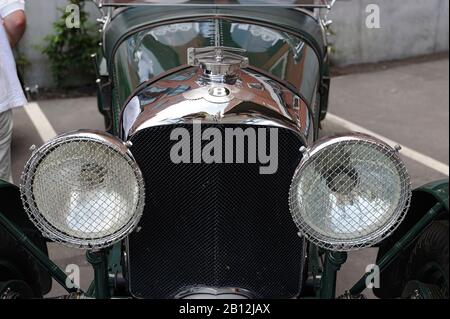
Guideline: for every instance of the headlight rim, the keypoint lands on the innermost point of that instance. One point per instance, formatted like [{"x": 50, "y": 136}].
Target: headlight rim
[
  {"x": 40, "y": 221},
  {"x": 364, "y": 241}
]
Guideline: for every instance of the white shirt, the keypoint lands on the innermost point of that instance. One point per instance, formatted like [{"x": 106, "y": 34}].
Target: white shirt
[
  {"x": 9, "y": 6},
  {"x": 11, "y": 94}
]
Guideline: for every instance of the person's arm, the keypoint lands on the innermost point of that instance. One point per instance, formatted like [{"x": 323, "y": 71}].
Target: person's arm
[{"x": 15, "y": 25}]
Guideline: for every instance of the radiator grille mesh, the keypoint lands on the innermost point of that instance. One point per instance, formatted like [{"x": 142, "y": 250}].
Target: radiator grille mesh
[{"x": 215, "y": 225}]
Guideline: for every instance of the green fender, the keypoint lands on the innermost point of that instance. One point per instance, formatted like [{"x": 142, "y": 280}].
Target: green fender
[
  {"x": 435, "y": 192},
  {"x": 423, "y": 199},
  {"x": 11, "y": 207}
]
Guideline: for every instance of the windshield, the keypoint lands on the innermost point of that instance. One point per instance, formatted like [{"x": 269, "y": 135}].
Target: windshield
[
  {"x": 151, "y": 52},
  {"x": 285, "y": 3}
]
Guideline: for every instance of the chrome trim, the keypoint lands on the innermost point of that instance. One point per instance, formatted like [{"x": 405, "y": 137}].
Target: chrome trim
[
  {"x": 330, "y": 140},
  {"x": 215, "y": 293},
  {"x": 184, "y": 96},
  {"x": 219, "y": 64}
]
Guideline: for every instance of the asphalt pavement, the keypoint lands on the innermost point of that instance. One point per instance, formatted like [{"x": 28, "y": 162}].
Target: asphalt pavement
[{"x": 407, "y": 104}]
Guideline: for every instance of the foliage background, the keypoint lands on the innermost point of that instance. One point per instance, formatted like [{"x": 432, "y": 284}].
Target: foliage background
[{"x": 69, "y": 49}]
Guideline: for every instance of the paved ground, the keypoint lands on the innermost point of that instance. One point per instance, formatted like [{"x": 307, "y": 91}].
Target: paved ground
[{"x": 407, "y": 104}]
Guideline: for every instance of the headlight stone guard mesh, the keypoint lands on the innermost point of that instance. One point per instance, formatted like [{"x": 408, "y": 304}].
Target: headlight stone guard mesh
[
  {"x": 86, "y": 169},
  {"x": 333, "y": 164}
]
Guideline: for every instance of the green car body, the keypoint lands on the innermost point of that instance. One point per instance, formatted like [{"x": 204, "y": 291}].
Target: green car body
[{"x": 117, "y": 85}]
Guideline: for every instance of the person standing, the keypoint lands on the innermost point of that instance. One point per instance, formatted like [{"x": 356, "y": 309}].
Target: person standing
[{"x": 12, "y": 28}]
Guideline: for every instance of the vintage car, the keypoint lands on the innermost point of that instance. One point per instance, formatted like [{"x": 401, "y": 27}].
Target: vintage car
[{"x": 210, "y": 180}]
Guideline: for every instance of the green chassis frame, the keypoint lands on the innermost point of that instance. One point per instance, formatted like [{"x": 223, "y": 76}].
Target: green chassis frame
[{"x": 107, "y": 261}]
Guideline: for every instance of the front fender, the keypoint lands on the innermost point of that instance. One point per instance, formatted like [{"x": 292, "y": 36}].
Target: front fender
[
  {"x": 434, "y": 192},
  {"x": 423, "y": 199},
  {"x": 11, "y": 207}
]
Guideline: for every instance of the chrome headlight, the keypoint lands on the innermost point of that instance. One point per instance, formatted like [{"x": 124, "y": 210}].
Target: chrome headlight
[
  {"x": 83, "y": 189},
  {"x": 349, "y": 192}
]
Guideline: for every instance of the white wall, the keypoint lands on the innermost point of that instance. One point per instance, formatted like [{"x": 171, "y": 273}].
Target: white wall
[
  {"x": 40, "y": 16},
  {"x": 408, "y": 28}
]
